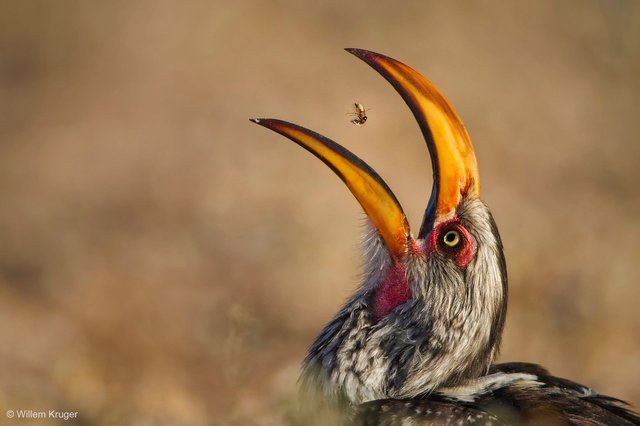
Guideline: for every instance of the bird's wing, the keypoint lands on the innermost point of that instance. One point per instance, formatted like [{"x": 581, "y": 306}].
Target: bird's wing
[
  {"x": 573, "y": 403},
  {"x": 548, "y": 400}
]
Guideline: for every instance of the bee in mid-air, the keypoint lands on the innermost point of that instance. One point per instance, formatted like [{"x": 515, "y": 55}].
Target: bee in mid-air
[{"x": 360, "y": 114}]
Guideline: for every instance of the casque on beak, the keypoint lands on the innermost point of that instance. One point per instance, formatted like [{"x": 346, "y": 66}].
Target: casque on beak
[{"x": 455, "y": 171}]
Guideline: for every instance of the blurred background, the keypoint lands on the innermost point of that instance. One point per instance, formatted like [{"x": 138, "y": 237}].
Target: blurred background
[{"x": 164, "y": 261}]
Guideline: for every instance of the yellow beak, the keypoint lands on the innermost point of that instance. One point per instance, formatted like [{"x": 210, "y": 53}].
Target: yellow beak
[
  {"x": 455, "y": 169},
  {"x": 373, "y": 194}
]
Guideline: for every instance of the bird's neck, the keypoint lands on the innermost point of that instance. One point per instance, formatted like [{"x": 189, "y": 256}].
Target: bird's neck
[
  {"x": 411, "y": 351},
  {"x": 419, "y": 333}
]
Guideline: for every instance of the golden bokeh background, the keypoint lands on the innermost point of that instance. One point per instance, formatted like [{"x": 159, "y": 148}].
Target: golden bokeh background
[{"x": 164, "y": 261}]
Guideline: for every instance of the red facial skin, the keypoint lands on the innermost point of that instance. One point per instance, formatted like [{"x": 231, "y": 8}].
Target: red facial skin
[
  {"x": 392, "y": 292},
  {"x": 394, "y": 289},
  {"x": 463, "y": 254}
]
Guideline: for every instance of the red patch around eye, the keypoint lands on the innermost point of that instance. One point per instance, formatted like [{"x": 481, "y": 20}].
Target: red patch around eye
[
  {"x": 463, "y": 254},
  {"x": 392, "y": 292}
]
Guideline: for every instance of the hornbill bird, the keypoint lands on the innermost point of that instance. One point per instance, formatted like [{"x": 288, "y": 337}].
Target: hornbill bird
[{"x": 415, "y": 344}]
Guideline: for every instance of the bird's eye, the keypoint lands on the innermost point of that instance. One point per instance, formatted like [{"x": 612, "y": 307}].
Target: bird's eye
[{"x": 451, "y": 238}]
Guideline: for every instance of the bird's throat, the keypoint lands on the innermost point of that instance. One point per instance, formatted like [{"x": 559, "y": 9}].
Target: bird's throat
[{"x": 392, "y": 292}]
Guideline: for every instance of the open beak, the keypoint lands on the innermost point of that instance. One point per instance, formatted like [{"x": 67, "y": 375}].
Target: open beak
[
  {"x": 373, "y": 194},
  {"x": 455, "y": 171}
]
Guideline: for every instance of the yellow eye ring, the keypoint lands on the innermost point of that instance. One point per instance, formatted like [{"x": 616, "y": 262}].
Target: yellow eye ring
[{"x": 451, "y": 238}]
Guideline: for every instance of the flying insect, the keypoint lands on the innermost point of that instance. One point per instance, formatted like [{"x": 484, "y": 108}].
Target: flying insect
[{"x": 360, "y": 114}]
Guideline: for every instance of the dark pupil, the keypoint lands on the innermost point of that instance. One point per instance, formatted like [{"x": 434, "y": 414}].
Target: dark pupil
[{"x": 450, "y": 237}]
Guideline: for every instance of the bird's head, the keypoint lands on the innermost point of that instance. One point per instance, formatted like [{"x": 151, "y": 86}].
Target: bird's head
[{"x": 430, "y": 310}]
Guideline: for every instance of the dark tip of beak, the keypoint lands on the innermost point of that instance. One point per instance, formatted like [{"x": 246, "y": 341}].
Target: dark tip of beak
[{"x": 358, "y": 52}]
